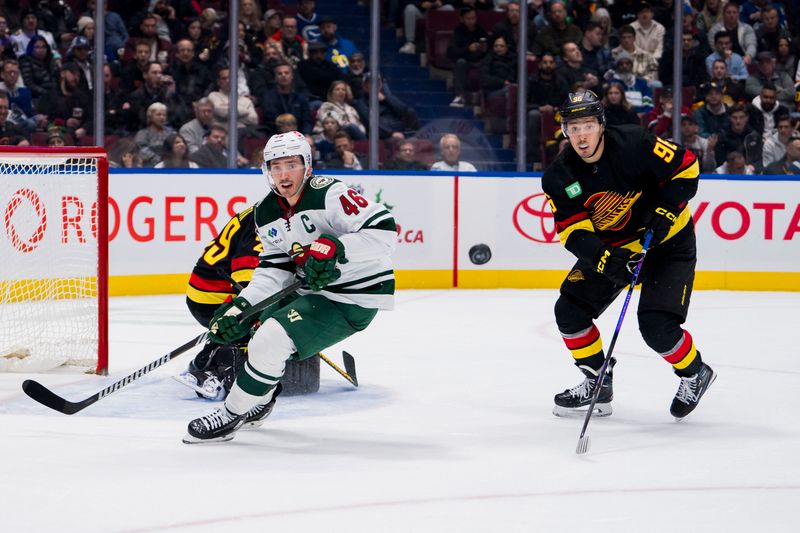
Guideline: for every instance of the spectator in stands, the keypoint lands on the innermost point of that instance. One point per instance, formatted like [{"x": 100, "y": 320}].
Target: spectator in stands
[
  {"x": 78, "y": 53},
  {"x": 156, "y": 88},
  {"x": 712, "y": 116},
  {"x": 285, "y": 98},
  {"x": 246, "y": 116},
  {"x": 343, "y": 155},
  {"x": 785, "y": 59},
  {"x": 659, "y": 120},
  {"x": 617, "y": 108},
  {"x": 644, "y": 64},
  {"x": 735, "y": 164},
  {"x": 338, "y": 106},
  {"x": 742, "y": 36},
  {"x": 790, "y": 163},
  {"x": 116, "y": 105},
  {"x": 261, "y": 77},
  {"x": 285, "y": 123},
  {"x": 740, "y": 137},
  {"x": 339, "y": 48},
  {"x": 10, "y": 134},
  {"x": 765, "y": 110},
  {"x": 355, "y": 75},
  {"x": 29, "y": 27},
  {"x": 273, "y": 20},
  {"x": 775, "y": 144},
  {"x": 133, "y": 73},
  {"x": 324, "y": 139},
  {"x": 159, "y": 48},
  {"x": 468, "y": 46},
  {"x": 250, "y": 16},
  {"x": 405, "y": 158},
  {"x": 596, "y": 57},
  {"x": 415, "y": 10},
  {"x": 752, "y": 12},
  {"x": 623, "y": 12},
  {"x": 552, "y": 37},
  {"x": 450, "y": 147},
  {"x": 175, "y": 153},
  {"x": 168, "y": 26},
  {"x": 637, "y": 90},
  {"x": 766, "y": 73},
  {"x": 124, "y": 154},
  {"x": 508, "y": 28},
  {"x": 204, "y": 42},
  {"x": 708, "y": 17},
  {"x": 395, "y": 118},
  {"x": 722, "y": 50},
  {"x": 769, "y": 31},
  {"x": 649, "y": 33},
  {"x": 573, "y": 71},
  {"x": 190, "y": 74},
  {"x": 195, "y": 131},
  {"x": 213, "y": 153},
  {"x": 317, "y": 72},
  {"x": 602, "y": 18},
  {"x": 308, "y": 20},
  {"x": 693, "y": 62},
  {"x": 38, "y": 68},
  {"x": 499, "y": 70},
  {"x": 150, "y": 139},
  {"x": 70, "y": 102},
  {"x": 732, "y": 90},
  {"x": 6, "y": 46},
  {"x": 55, "y": 138},
  {"x": 546, "y": 91},
  {"x": 293, "y": 48},
  {"x": 116, "y": 33},
  {"x": 20, "y": 98},
  {"x": 702, "y": 148}
]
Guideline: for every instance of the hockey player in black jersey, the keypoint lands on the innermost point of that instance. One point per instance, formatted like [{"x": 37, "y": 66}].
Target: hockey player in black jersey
[{"x": 609, "y": 187}]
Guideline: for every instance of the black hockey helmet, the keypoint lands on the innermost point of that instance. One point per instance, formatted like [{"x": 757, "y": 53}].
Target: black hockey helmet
[{"x": 580, "y": 104}]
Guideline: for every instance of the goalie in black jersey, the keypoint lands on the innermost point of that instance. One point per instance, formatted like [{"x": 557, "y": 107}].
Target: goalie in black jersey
[{"x": 606, "y": 189}]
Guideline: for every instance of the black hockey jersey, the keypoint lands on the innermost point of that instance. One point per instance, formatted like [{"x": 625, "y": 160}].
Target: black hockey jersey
[{"x": 604, "y": 203}]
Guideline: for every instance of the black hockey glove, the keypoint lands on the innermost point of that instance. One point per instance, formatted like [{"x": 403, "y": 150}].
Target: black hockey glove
[
  {"x": 225, "y": 327},
  {"x": 321, "y": 266},
  {"x": 659, "y": 221},
  {"x": 617, "y": 264}
]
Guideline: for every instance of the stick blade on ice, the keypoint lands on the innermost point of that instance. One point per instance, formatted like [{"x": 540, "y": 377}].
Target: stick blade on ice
[
  {"x": 350, "y": 366},
  {"x": 583, "y": 445},
  {"x": 48, "y": 398}
]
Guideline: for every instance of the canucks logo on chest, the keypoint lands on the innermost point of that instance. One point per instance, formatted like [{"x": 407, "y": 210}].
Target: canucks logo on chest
[{"x": 610, "y": 210}]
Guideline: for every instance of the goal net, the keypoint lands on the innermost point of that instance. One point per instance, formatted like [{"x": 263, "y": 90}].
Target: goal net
[{"x": 53, "y": 258}]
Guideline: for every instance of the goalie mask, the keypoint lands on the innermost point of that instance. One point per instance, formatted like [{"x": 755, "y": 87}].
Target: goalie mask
[{"x": 286, "y": 145}]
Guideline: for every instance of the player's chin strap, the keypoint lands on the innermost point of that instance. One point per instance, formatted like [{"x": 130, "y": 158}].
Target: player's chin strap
[{"x": 599, "y": 142}]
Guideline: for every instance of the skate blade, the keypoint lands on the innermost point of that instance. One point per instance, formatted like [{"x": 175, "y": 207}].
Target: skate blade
[
  {"x": 600, "y": 409},
  {"x": 188, "y": 439}
]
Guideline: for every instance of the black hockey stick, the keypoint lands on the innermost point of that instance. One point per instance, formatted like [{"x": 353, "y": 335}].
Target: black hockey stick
[
  {"x": 583, "y": 440},
  {"x": 48, "y": 398},
  {"x": 349, "y": 363}
]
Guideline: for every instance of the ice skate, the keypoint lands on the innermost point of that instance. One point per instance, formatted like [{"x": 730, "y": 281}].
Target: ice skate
[
  {"x": 204, "y": 383},
  {"x": 690, "y": 391},
  {"x": 255, "y": 417},
  {"x": 219, "y": 426},
  {"x": 577, "y": 399}
]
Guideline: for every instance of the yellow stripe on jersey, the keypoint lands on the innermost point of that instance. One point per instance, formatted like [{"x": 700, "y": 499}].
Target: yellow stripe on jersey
[
  {"x": 584, "y": 224},
  {"x": 203, "y": 297},
  {"x": 246, "y": 274},
  {"x": 690, "y": 172}
]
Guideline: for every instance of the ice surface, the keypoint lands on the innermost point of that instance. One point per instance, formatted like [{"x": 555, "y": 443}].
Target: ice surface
[{"x": 451, "y": 431}]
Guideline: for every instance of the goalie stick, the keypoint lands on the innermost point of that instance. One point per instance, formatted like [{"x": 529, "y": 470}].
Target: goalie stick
[
  {"x": 583, "y": 440},
  {"x": 349, "y": 373},
  {"x": 48, "y": 398}
]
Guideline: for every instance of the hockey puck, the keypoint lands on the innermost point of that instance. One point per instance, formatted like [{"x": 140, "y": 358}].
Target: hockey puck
[{"x": 480, "y": 254}]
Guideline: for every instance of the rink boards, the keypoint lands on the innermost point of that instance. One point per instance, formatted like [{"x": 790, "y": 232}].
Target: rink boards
[{"x": 159, "y": 221}]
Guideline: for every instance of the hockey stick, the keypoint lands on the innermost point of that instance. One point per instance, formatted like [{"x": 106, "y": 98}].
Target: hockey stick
[
  {"x": 349, "y": 363},
  {"x": 583, "y": 440},
  {"x": 48, "y": 398}
]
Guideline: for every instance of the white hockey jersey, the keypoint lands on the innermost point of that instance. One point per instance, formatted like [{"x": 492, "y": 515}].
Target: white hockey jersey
[{"x": 366, "y": 229}]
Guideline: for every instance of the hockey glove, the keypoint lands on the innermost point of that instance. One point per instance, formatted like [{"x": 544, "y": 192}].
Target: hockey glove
[
  {"x": 321, "y": 265},
  {"x": 659, "y": 221},
  {"x": 617, "y": 264},
  {"x": 225, "y": 327}
]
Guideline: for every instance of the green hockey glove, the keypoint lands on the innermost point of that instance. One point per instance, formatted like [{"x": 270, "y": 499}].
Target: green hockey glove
[
  {"x": 321, "y": 266},
  {"x": 659, "y": 221},
  {"x": 617, "y": 264},
  {"x": 225, "y": 327}
]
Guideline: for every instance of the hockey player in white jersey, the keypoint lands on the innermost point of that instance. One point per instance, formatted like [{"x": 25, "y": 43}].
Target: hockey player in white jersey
[{"x": 317, "y": 228}]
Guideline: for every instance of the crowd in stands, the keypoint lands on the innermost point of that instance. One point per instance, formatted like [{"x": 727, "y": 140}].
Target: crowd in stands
[{"x": 167, "y": 78}]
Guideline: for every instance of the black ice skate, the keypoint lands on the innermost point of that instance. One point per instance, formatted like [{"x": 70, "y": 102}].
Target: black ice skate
[
  {"x": 690, "y": 391},
  {"x": 218, "y": 426},
  {"x": 578, "y": 398},
  {"x": 255, "y": 417}
]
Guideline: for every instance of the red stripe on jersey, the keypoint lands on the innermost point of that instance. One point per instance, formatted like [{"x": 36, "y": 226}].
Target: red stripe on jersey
[
  {"x": 576, "y": 343},
  {"x": 564, "y": 224},
  {"x": 683, "y": 349},
  {"x": 247, "y": 261},
  {"x": 688, "y": 160},
  {"x": 210, "y": 285}
]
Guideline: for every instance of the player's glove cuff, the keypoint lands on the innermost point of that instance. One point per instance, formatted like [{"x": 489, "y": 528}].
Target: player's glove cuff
[{"x": 659, "y": 221}]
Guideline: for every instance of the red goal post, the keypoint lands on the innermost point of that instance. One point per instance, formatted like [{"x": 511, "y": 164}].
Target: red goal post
[{"x": 53, "y": 258}]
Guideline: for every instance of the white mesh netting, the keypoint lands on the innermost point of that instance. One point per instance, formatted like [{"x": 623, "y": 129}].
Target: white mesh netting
[{"x": 48, "y": 262}]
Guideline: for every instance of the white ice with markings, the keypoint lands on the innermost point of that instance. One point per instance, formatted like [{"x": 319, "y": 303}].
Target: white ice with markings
[{"x": 450, "y": 431}]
